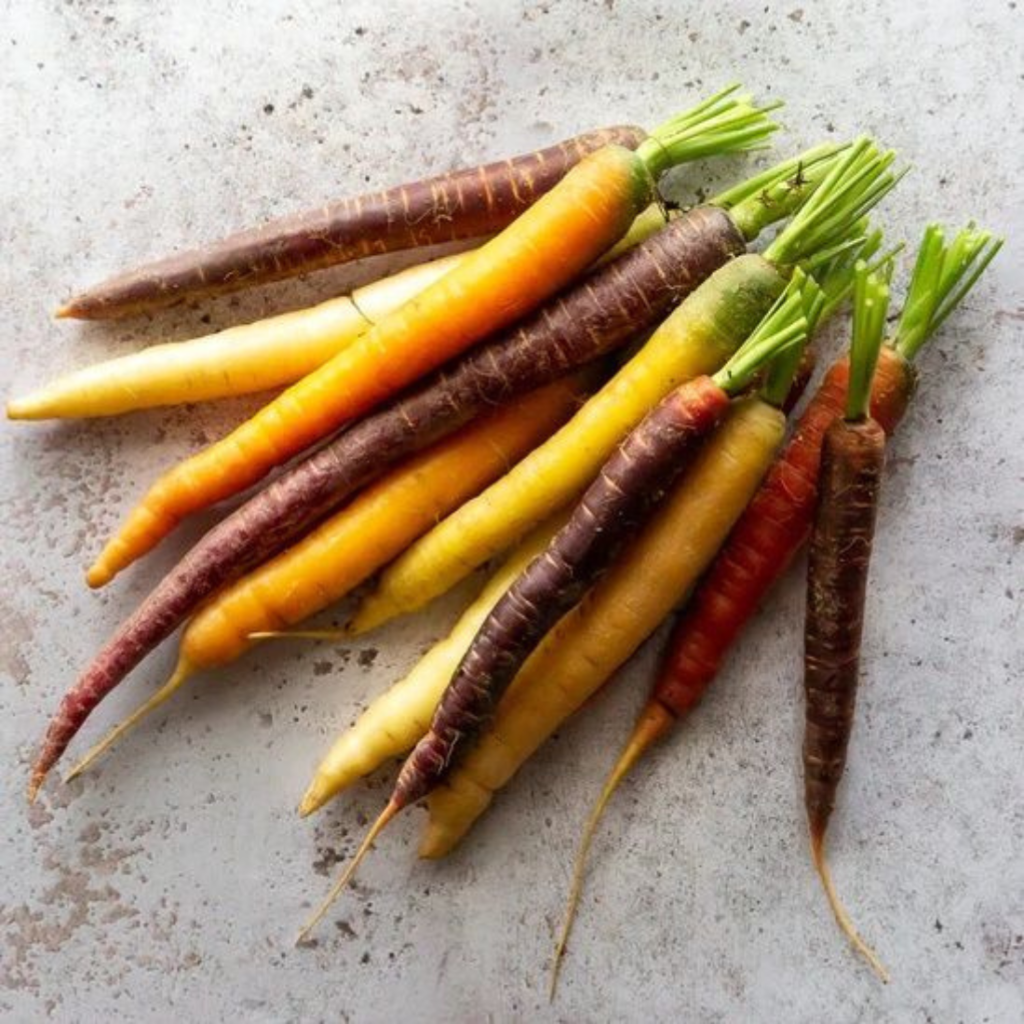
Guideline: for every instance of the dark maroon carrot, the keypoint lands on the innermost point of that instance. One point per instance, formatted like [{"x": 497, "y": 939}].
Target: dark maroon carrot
[
  {"x": 839, "y": 554},
  {"x": 468, "y": 203},
  {"x": 616, "y": 302},
  {"x": 852, "y": 460}
]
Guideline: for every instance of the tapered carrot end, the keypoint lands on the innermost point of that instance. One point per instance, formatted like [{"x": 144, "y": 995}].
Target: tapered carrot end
[
  {"x": 35, "y": 783},
  {"x": 66, "y": 312},
  {"x": 378, "y": 826},
  {"x": 655, "y": 720},
  {"x": 99, "y": 574},
  {"x": 182, "y": 671},
  {"x": 314, "y": 798},
  {"x": 31, "y": 407},
  {"x": 841, "y": 916}
]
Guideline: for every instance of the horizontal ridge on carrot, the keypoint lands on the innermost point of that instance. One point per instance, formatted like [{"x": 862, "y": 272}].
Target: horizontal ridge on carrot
[
  {"x": 687, "y": 344},
  {"x": 616, "y": 302},
  {"x": 546, "y": 248},
  {"x": 251, "y": 357},
  {"x": 346, "y": 548},
  {"x": 774, "y": 527}
]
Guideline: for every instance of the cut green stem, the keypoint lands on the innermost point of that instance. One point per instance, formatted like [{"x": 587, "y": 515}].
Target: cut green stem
[
  {"x": 777, "y": 192},
  {"x": 727, "y": 122},
  {"x": 856, "y": 181},
  {"x": 785, "y": 328},
  {"x": 870, "y": 305},
  {"x": 943, "y": 275}
]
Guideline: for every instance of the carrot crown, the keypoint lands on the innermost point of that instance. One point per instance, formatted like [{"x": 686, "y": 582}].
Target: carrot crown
[
  {"x": 724, "y": 123},
  {"x": 943, "y": 275},
  {"x": 782, "y": 332},
  {"x": 870, "y": 304},
  {"x": 854, "y": 184},
  {"x": 776, "y": 193}
]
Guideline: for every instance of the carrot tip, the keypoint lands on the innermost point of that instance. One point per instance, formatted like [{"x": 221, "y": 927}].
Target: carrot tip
[
  {"x": 98, "y": 576},
  {"x": 838, "y": 910},
  {"x": 364, "y": 848},
  {"x": 65, "y": 312}
]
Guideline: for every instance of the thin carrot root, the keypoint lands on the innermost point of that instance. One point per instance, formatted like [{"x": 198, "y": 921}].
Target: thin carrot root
[
  {"x": 654, "y": 722},
  {"x": 364, "y": 848},
  {"x": 182, "y": 671},
  {"x": 842, "y": 918}
]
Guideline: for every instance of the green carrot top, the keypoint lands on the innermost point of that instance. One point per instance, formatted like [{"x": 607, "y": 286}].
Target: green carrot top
[
  {"x": 856, "y": 180},
  {"x": 943, "y": 274},
  {"x": 727, "y": 122},
  {"x": 870, "y": 304}
]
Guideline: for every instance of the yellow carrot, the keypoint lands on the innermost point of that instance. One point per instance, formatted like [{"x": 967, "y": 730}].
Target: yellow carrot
[
  {"x": 604, "y": 630},
  {"x": 549, "y": 245},
  {"x": 696, "y": 339},
  {"x": 355, "y": 542},
  {"x": 395, "y": 721},
  {"x": 252, "y": 357}
]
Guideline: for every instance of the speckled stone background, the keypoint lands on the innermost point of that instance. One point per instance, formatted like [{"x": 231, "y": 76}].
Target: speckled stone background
[{"x": 169, "y": 883}]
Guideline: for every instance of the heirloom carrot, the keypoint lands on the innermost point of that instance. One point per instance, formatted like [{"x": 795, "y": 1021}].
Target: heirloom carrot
[
  {"x": 613, "y": 304},
  {"x": 839, "y": 553},
  {"x": 468, "y": 203},
  {"x": 543, "y": 250},
  {"x": 238, "y": 361},
  {"x": 345, "y": 549}
]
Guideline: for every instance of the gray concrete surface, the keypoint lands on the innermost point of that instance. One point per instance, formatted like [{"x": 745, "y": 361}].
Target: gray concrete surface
[{"x": 169, "y": 883}]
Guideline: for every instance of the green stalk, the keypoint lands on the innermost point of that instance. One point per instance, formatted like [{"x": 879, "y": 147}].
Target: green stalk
[
  {"x": 855, "y": 182},
  {"x": 779, "y": 191},
  {"x": 783, "y": 329},
  {"x": 943, "y": 275},
  {"x": 870, "y": 304},
  {"x": 727, "y": 122}
]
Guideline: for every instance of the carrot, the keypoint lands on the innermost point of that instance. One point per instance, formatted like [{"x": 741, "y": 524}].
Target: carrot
[
  {"x": 775, "y": 525},
  {"x": 546, "y": 247},
  {"x": 688, "y": 344},
  {"x": 395, "y": 721},
  {"x": 839, "y": 553},
  {"x": 240, "y": 360},
  {"x": 345, "y": 549},
  {"x": 617, "y": 301},
  {"x": 468, "y": 203}
]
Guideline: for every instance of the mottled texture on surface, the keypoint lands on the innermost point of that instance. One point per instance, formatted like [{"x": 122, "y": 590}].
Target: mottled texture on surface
[{"x": 170, "y": 881}]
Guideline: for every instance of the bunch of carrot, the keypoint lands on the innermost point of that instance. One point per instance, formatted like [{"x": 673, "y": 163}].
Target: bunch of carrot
[{"x": 471, "y": 407}]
